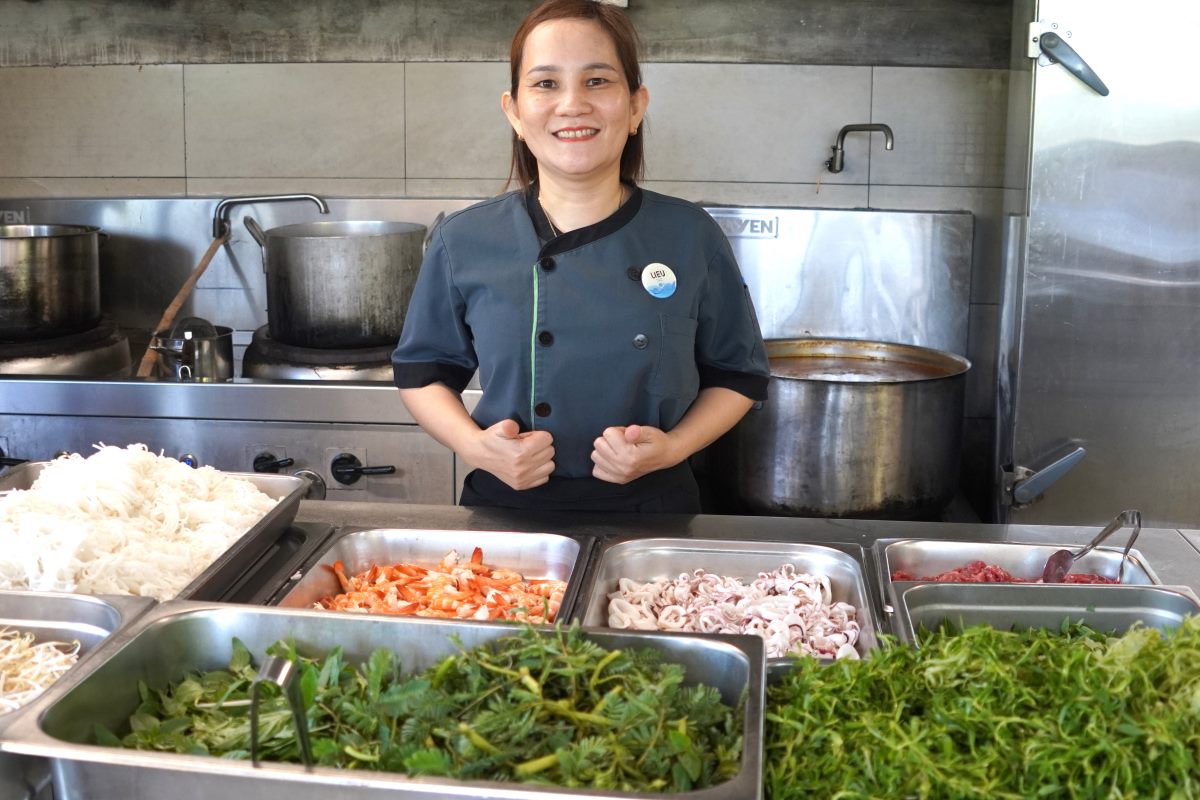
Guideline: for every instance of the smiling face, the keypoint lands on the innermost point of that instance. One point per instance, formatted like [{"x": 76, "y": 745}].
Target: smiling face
[{"x": 573, "y": 105}]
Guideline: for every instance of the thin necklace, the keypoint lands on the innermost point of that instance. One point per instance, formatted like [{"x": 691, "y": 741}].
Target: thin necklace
[
  {"x": 546, "y": 214},
  {"x": 554, "y": 229}
]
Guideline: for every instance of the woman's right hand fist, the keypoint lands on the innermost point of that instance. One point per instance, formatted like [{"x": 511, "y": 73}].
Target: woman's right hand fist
[{"x": 522, "y": 460}]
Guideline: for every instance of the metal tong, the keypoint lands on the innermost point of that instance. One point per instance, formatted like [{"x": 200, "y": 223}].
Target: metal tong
[
  {"x": 282, "y": 673},
  {"x": 1060, "y": 562}
]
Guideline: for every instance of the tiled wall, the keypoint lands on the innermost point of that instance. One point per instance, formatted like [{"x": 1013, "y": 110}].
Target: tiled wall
[{"x": 749, "y": 134}]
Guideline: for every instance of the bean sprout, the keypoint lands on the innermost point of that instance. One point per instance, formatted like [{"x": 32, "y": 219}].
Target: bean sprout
[{"x": 28, "y": 667}]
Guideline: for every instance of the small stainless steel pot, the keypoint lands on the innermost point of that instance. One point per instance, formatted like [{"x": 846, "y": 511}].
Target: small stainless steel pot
[
  {"x": 187, "y": 356},
  {"x": 850, "y": 429},
  {"x": 49, "y": 280},
  {"x": 339, "y": 284}
]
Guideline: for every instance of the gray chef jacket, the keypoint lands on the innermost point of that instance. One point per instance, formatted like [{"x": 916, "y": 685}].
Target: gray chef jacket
[{"x": 565, "y": 335}]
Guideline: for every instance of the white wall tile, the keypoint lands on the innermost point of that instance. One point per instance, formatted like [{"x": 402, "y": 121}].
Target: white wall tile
[
  {"x": 91, "y": 122},
  {"x": 93, "y": 187},
  {"x": 324, "y": 187},
  {"x": 987, "y": 205},
  {"x": 455, "y": 128},
  {"x": 302, "y": 120},
  {"x": 753, "y": 122},
  {"x": 949, "y": 126},
  {"x": 455, "y": 187}
]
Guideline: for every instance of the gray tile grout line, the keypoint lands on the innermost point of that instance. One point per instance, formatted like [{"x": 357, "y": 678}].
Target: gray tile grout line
[
  {"x": 404, "y": 87},
  {"x": 183, "y": 112}
]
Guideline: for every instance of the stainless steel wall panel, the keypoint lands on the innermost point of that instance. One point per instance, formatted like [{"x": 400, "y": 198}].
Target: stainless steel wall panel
[
  {"x": 156, "y": 242},
  {"x": 892, "y": 276},
  {"x": 424, "y": 469}
]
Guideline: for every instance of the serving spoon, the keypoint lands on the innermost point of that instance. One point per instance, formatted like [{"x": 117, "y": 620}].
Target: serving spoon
[{"x": 1060, "y": 562}]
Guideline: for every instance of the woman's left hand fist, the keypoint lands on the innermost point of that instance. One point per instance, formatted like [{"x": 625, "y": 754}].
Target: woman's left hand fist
[{"x": 624, "y": 453}]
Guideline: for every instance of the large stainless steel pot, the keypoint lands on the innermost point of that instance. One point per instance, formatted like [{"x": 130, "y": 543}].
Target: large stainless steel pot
[
  {"x": 49, "y": 280},
  {"x": 339, "y": 284},
  {"x": 850, "y": 429}
]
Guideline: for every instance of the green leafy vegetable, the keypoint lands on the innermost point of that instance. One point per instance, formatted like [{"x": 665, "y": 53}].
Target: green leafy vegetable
[
  {"x": 548, "y": 708},
  {"x": 993, "y": 714}
]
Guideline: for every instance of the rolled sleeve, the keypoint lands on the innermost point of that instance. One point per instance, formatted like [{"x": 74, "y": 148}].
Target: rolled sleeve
[
  {"x": 436, "y": 344},
  {"x": 729, "y": 344}
]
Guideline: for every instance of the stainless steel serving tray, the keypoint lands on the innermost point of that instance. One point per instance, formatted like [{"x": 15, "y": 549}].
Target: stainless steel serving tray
[
  {"x": 178, "y": 637},
  {"x": 931, "y": 556},
  {"x": 59, "y": 617},
  {"x": 921, "y": 557},
  {"x": 210, "y": 584},
  {"x": 657, "y": 559},
  {"x": 534, "y": 555},
  {"x": 1022, "y": 606}
]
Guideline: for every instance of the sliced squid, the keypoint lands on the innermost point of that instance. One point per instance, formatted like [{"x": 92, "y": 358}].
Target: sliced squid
[{"x": 792, "y": 611}]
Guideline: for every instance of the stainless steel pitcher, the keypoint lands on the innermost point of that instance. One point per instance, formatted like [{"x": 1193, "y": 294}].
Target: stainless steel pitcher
[{"x": 194, "y": 350}]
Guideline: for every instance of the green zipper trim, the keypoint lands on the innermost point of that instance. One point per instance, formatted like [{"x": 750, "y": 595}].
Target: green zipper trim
[{"x": 533, "y": 351}]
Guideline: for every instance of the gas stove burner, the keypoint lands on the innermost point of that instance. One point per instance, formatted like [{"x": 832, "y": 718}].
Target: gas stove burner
[
  {"x": 101, "y": 352},
  {"x": 268, "y": 359}
]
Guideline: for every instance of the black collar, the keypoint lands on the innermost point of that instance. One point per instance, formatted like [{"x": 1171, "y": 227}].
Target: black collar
[{"x": 553, "y": 245}]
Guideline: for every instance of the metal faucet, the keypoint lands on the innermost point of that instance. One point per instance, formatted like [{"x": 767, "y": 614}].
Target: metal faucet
[
  {"x": 836, "y": 163},
  {"x": 221, "y": 223}
]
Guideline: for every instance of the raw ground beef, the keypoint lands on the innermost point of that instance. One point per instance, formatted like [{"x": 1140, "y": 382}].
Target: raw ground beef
[{"x": 979, "y": 572}]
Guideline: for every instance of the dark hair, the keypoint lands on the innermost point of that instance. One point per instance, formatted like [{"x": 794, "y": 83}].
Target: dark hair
[{"x": 616, "y": 24}]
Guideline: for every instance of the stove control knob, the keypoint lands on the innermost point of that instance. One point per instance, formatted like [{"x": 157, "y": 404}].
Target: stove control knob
[
  {"x": 316, "y": 484},
  {"x": 190, "y": 460},
  {"x": 347, "y": 469},
  {"x": 267, "y": 462}
]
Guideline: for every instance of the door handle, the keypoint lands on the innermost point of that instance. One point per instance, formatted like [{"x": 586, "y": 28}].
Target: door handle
[
  {"x": 1057, "y": 50},
  {"x": 1027, "y": 485}
]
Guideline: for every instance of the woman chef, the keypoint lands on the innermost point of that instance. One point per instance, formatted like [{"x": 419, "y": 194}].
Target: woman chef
[{"x": 610, "y": 326}]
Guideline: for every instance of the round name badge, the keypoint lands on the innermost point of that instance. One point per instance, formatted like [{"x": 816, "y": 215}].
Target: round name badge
[{"x": 658, "y": 280}]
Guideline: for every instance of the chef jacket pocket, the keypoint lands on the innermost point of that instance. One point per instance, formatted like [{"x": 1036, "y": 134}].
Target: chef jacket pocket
[{"x": 676, "y": 374}]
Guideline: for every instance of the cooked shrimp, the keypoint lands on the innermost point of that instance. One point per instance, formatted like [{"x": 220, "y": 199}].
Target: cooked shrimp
[{"x": 454, "y": 589}]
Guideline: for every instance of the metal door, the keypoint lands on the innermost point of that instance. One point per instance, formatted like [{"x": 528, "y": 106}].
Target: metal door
[{"x": 1100, "y": 339}]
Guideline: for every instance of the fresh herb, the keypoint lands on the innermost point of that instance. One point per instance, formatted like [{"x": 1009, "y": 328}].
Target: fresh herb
[
  {"x": 993, "y": 714},
  {"x": 547, "y": 708}
]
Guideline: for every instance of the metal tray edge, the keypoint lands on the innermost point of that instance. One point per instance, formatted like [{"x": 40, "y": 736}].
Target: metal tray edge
[
  {"x": 587, "y": 547},
  {"x": 24, "y": 737},
  {"x": 873, "y": 611}
]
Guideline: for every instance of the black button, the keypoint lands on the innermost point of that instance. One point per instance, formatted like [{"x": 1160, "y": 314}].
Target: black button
[
  {"x": 545, "y": 338},
  {"x": 634, "y": 274},
  {"x": 542, "y": 409},
  {"x": 640, "y": 341},
  {"x": 546, "y": 263}
]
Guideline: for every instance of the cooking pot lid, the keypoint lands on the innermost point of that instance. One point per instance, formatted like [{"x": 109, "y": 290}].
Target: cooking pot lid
[
  {"x": 346, "y": 228},
  {"x": 44, "y": 231},
  {"x": 198, "y": 327}
]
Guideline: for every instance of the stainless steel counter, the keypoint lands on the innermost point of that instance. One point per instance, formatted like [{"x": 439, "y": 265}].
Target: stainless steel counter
[
  {"x": 331, "y": 402},
  {"x": 1174, "y": 557},
  {"x": 230, "y": 425},
  {"x": 1193, "y": 537}
]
